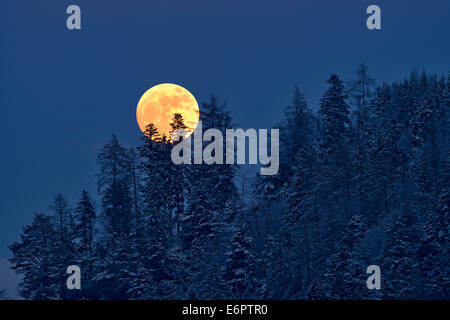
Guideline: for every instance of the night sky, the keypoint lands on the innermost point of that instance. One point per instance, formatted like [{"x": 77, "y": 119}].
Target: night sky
[{"x": 64, "y": 92}]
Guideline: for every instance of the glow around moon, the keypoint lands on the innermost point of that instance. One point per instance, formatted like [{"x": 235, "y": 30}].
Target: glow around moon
[{"x": 159, "y": 103}]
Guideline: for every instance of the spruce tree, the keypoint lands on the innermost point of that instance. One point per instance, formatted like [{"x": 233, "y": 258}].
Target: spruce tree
[
  {"x": 435, "y": 245},
  {"x": 85, "y": 217},
  {"x": 114, "y": 186},
  {"x": 210, "y": 207},
  {"x": 360, "y": 91},
  {"x": 344, "y": 276},
  {"x": 400, "y": 263},
  {"x": 239, "y": 276},
  {"x": 34, "y": 257},
  {"x": 335, "y": 172}
]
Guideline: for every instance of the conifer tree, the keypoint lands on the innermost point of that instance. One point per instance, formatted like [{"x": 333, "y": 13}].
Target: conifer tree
[
  {"x": 435, "y": 245},
  {"x": 152, "y": 227},
  {"x": 334, "y": 158},
  {"x": 400, "y": 267},
  {"x": 84, "y": 220},
  {"x": 240, "y": 279},
  {"x": 114, "y": 185},
  {"x": 34, "y": 258},
  {"x": 360, "y": 91},
  {"x": 114, "y": 181},
  {"x": 62, "y": 217},
  {"x": 85, "y": 217},
  {"x": 210, "y": 206},
  {"x": 344, "y": 276}
]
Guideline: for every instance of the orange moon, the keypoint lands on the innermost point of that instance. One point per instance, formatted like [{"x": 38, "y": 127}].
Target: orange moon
[{"x": 158, "y": 104}]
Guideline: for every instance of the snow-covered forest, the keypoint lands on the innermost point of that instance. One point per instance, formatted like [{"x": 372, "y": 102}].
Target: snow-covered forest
[{"x": 364, "y": 180}]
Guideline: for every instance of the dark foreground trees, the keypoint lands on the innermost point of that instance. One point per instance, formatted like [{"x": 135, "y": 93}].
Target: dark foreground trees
[{"x": 363, "y": 181}]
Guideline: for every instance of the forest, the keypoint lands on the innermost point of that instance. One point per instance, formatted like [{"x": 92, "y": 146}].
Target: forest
[{"x": 364, "y": 179}]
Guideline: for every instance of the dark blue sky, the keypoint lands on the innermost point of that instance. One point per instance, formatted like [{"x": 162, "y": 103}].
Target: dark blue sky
[{"x": 64, "y": 92}]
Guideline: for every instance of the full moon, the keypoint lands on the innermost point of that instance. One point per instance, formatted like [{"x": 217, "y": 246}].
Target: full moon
[{"x": 158, "y": 105}]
